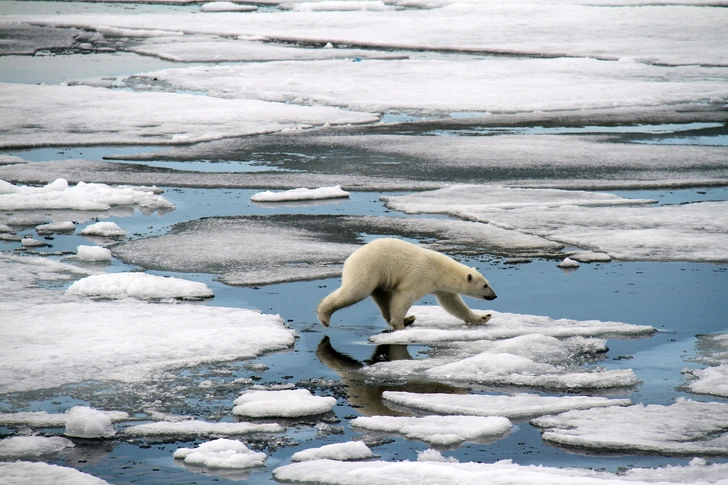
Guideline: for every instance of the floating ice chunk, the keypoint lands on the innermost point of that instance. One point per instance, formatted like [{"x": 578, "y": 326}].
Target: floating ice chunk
[
  {"x": 516, "y": 406},
  {"x": 4, "y": 228},
  {"x": 434, "y": 456},
  {"x": 342, "y": 6},
  {"x": 85, "y": 422},
  {"x": 221, "y": 453},
  {"x": 683, "y": 428},
  {"x": 31, "y": 446},
  {"x": 54, "y": 228},
  {"x": 30, "y": 242},
  {"x": 105, "y": 229},
  {"x": 433, "y": 324},
  {"x": 11, "y": 160},
  {"x": 500, "y": 473},
  {"x": 82, "y": 196},
  {"x": 438, "y": 430},
  {"x": 711, "y": 380},
  {"x": 590, "y": 257},
  {"x": 23, "y": 472},
  {"x": 226, "y": 7},
  {"x": 201, "y": 428},
  {"x": 286, "y": 403},
  {"x": 93, "y": 253},
  {"x": 301, "y": 194},
  {"x": 353, "y": 450},
  {"x": 568, "y": 263},
  {"x": 140, "y": 285}
]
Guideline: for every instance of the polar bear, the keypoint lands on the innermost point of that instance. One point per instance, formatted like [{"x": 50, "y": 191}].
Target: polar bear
[{"x": 396, "y": 274}]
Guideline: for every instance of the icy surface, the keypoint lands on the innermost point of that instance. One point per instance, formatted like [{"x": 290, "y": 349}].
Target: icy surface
[
  {"x": 85, "y": 422},
  {"x": 626, "y": 229},
  {"x": 711, "y": 380},
  {"x": 300, "y": 194},
  {"x": 105, "y": 229},
  {"x": 285, "y": 403},
  {"x": 201, "y": 428},
  {"x": 94, "y": 197},
  {"x": 221, "y": 453},
  {"x": 500, "y": 473},
  {"x": 93, "y": 253},
  {"x": 226, "y": 7},
  {"x": 140, "y": 285},
  {"x": 438, "y": 430},
  {"x": 353, "y": 450},
  {"x": 683, "y": 428},
  {"x": 43, "y": 419},
  {"x": 56, "y": 227},
  {"x": 17, "y": 447},
  {"x": 22, "y": 472},
  {"x": 517, "y": 406}
]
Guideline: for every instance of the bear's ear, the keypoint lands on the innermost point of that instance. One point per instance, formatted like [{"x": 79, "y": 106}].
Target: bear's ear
[{"x": 469, "y": 277}]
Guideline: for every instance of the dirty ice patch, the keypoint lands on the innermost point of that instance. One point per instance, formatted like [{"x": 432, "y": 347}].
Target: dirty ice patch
[
  {"x": 433, "y": 324},
  {"x": 84, "y": 197},
  {"x": 289, "y": 403},
  {"x": 300, "y": 194},
  {"x": 623, "y": 228},
  {"x": 683, "y": 428},
  {"x": 200, "y": 429},
  {"x": 438, "y": 430},
  {"x": 140, "y": 285},
  {"x": 516, "y": 406},
  {"x": 221, "y": 453},
  {"x": 45, "y": 115},
  {"x": 500, "y": 473},
  {"x": 351, "y": 451},
  {"x": 18, "y": 447}
]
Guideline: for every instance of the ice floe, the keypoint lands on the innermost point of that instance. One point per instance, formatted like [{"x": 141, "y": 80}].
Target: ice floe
[
  {"x": 40, "y": 349},
  {"x": 83, "y": 197},
  {"x": 713, "y": 350},
  {"x": 438, "y": 430},
  {"x": 85, "y": 422},
  {"x": 226, "y": 7},
  {"x": 17, "y": 447},
  {"x": 300, "y": 194},
  {"x": 293, "y": 403},
  {"x": 104, "y": 229},
  {"x": 140, "y": 285},
  {"x": 684, "y": 428},
  {"x": 351, "y": 451},
  {"x": 43, "y": 419},
  {"x": 56, "y": 228},
  {"x": 517, "y": 406},
  {"x": 623, "y": 228},
  {"x": 221, "y": 453},
  {"x": 22, "y": 472},
  {"x": 200, "y": 429},
  {"x": 499, "y": 473},
  {"x": 93, "y": 253}
]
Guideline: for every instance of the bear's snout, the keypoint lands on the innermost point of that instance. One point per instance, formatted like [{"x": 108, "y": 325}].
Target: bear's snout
[{"x": 491, "y": 297}]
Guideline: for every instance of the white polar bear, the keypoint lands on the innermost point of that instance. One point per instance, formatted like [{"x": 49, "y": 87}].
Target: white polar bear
[{"x": 396, "y": 274}]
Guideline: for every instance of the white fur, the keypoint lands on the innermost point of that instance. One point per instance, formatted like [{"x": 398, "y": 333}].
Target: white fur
[{"x": 396, "y": 274}]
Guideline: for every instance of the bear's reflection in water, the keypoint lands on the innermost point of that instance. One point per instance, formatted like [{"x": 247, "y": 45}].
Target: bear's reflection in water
[{"x": 367, "y": 398}]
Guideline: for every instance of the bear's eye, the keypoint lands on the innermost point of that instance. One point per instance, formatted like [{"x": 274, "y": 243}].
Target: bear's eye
[{"x": 485, "y": 286}]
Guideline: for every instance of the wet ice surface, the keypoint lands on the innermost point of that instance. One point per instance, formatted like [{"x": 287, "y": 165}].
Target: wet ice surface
[{"x": 636, "y": 114}]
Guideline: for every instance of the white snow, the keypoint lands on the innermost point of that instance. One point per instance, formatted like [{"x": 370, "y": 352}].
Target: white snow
[
  {"x": 711, "y": 380},
  {"x": 300, "y": 194},
  {"x": 17, "y": 447},
  {"x": 85, "y": 422},
  {"x": 623, "y": 228},
  {"x": 568, "y": 263},
  {"x": 23, "y": 472},
  {"x": 221, "y": 453},
  {"x": 60, "y": 195},
  {"x": 285, "y": 403},
  {"x": 56, "y": 227},
  {"x": 105, "y": 229},
  {"x": 517, "y": 406},
  {"x": 500, "y": 473},
  {"x": 93, "y": 253},
  {"x": 30, "y": 242},
  {"x": 140, "y": 285},
  {"x": 353, "y": 450},
  {"x": 43, "y": 419},
  {"x": 438, "y": 430},
  {"x": 201, "y": 428},
  {"x": 341, "y": 6},
  {"x": 686, "y": 428},
  {"x": 226, "y": 7}
]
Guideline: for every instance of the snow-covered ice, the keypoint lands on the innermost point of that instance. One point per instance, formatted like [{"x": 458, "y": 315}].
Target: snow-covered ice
[
  {"x": 438, "y": 430},
  {"x": 201, "y": 428},
  {"x": 23, "y": 472},
  {"x": 93, "y": 253},
  {"x": 17, "y": 447},
  {"x": 684, "y": 428},
  {"x": 294, "y": 403},
  {"x": 500, "y": 473},
  {"x": 56, "y": 228},
  {"x": 221, "y": 453},
  {"x": 226, "y": 7},
  {"x": 104, "y": 229},
  {"x": 300, "y": 194},
  {"x": 43, "y": 419},
  {"x": 568, "y": 263},
  {"x": 353, "y": 450},
  {"x": 85, "y": 422},
  {"x": 140, "y": 285},
  {"x": 517, "y": 406},
  {"x": 713, "y": 350}
]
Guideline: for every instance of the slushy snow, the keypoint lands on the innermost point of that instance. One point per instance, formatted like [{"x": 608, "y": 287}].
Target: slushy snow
[
  {"x": 140, "y": 285},
  {"x": 293, "y": 403},
  {"x": 221, "y": 453},
  {"x": 300, "y": 194},
  {"x": 351, "y": 451}
]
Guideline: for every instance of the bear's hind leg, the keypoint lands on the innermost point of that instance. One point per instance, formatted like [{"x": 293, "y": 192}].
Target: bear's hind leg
[
  {"x": 383, "y": 299},
  {"x": 400, "y": 304}
]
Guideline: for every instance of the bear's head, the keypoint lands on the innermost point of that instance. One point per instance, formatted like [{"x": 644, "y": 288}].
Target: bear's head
[{"x": 478, "y": 286}]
